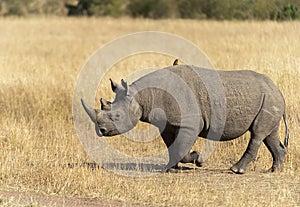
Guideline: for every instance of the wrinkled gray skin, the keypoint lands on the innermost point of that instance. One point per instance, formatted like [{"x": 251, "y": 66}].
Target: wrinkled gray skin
[{"x": 253, "y": 103}]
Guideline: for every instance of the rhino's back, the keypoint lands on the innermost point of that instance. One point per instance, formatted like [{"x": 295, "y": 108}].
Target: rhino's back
[
  {"x": 244, "y": 92},
  {"x": 241, "y": 93},
  {"x": 233, "y": 97}
]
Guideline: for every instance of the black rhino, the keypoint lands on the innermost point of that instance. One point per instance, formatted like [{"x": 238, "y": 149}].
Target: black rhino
[{"x": 179, "y": 101}]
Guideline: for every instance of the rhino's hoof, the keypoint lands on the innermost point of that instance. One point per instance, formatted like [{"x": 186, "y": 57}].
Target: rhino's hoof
[
  {"x": 237, "y": 170},
  {"x": 198, "y": 164},
  {"x": 172, "y": 170},
  {"x": 199, "y": 160},
  {"x": 275, "y": 168}
]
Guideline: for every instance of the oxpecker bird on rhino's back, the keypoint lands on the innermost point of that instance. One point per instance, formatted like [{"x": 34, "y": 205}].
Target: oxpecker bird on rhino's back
[{"x": 181, "y": 103}]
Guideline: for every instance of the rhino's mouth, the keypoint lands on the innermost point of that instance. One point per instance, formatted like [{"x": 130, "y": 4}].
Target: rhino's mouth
[
  {"x": 103, "y": 130},
  {"x": 98, "y": 132},
  {"x": 106, "y": 132}
]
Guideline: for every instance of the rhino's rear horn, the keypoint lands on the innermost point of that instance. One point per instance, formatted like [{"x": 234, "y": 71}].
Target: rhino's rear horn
[
  {"x": 91, "y": 112},
  {"x": 105, "y": 105}
]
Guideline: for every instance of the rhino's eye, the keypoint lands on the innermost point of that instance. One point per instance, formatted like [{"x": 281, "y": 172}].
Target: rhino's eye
[
  {"x": 117, "y": 117},
  {"x": 114, "y": 116}
]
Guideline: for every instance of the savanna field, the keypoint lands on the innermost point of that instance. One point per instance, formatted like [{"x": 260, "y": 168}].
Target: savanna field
[{"x": 40, "y": 153}]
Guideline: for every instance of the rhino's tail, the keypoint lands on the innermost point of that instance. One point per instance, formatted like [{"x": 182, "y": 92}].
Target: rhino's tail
[{"x": 286, "y": 138}]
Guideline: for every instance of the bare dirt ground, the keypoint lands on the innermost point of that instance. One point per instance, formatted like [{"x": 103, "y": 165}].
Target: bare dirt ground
[
  {"x": 15, "y": 198},
  {"x": 217, "y": 186}
]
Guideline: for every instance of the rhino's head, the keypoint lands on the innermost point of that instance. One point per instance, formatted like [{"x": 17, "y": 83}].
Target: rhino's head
[{"x": 115, "y": 117}]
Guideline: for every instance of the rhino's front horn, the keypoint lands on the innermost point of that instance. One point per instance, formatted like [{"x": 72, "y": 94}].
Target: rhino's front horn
[{"x": 91, "y": 112}]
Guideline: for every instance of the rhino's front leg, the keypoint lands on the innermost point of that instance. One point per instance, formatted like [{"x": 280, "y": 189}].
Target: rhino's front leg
[
  {"x": 179, "y": 142},
  {"x": 168, "y": 135}
]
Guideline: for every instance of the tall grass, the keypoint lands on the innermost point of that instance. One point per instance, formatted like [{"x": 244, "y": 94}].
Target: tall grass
[{"x": 40, "y": 59}]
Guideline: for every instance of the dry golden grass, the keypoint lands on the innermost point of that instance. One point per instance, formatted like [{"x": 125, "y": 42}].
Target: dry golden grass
[{"x": 40, "y": 59}]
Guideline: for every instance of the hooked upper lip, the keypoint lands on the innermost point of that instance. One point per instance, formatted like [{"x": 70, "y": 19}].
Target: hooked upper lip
[{"x": 103, "y": 129}]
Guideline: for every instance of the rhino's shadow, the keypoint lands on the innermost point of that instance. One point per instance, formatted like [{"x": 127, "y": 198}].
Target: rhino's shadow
[
  {"x": 128, "y": 166},
  {"x": 143, "y": 167}
]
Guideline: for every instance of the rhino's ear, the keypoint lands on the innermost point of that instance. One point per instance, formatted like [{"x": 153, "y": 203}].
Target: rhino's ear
[
  {"x": 115, "y": 87},
  {"x": 125, "y": 86},
  {"x": 105, "y": 105},
  {"x": 175, "y": 62}
]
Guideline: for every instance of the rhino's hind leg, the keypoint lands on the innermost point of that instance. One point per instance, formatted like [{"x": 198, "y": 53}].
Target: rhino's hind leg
[
  {"x": 248, "y": 156},
  {"x": 264, "y": 128},
  {"x": 277, "y": 150},
  {"x": 193, "y": 157}
]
